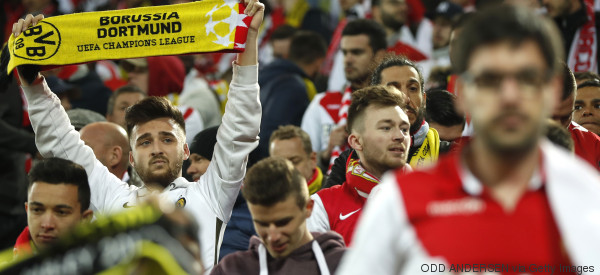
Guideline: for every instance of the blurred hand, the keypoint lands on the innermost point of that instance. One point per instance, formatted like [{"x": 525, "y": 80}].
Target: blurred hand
[{"x": 338, "y": 137}]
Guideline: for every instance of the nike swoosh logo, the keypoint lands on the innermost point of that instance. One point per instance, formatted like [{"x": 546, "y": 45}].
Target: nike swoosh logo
[
  {"x": 127, "y": 205},
  {"x": 343, "y": 217}
]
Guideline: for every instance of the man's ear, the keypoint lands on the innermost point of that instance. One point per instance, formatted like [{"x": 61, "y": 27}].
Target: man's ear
[
  {"x": 355, "y": 142},
  {"x": 131, "y": 162},
  {"x": 313, "y": 158},
  {"x": 87, "y": 215},
  {"x": 26, "y": 206},
  {"x": 116, "y": 153},
  {"x": 556, "y": 84},
  {"x": 459, "y": 91},
  {"x": 186, "y": 151},
  {"x": 309, "y": 207}
]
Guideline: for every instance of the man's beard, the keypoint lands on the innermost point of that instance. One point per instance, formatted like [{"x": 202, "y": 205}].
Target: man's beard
[
  {"x": 163, "y": 179},
  {"x": 420, "y": 115},
  {"x": 362, "y": 78},
  {"x": 391, "y": 22},
  {"x": 524, "y": 146}
]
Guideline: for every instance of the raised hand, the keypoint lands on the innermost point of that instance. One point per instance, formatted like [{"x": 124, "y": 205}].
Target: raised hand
[
  {"x": 27, "y": 73},
  {"x": 23, "y": 24},
  {"x": 250, "y": 55},
  {"x": 256, "y": 9}
]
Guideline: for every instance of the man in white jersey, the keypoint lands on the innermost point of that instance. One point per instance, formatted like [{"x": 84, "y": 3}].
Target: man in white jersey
[{"x": 157, "y": 137}]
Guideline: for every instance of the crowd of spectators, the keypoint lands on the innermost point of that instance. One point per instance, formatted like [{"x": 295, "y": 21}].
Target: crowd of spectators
[{"x": 358, "y": 99}]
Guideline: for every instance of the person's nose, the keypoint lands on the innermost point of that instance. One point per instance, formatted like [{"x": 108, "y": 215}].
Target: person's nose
[
  {"x": 398, "y": 135},
  {"x": 191, "y": 170},
  {"x": 274, "y": 234},
  {"x": 157, "y": 148},
  {"x": 587, "y": 111},
  {"x": 509, "y": 90},
  {"x": 48, "y": 222}
]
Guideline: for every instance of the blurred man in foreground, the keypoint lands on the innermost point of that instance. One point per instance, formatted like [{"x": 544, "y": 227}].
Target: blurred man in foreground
[{"x": 507, "y": 182}]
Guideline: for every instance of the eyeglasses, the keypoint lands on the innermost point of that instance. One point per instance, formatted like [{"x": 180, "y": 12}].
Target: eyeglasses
[{"x": 527, "y": 79}]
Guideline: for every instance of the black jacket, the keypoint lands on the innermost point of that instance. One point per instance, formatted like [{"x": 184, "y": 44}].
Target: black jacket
[{"x": 284, "y": 99}]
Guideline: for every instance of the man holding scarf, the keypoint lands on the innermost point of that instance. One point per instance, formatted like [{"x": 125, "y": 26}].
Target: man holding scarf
[{"x": 157, "y": 137}]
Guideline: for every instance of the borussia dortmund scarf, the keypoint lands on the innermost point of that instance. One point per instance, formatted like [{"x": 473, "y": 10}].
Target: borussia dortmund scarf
[
  {"x": 429, "y": 150},
  {"x": 198, "y": 27},
  {"x": 116, "y": 245}
]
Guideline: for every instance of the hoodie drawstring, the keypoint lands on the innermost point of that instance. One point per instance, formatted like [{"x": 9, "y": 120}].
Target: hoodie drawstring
[
  {"x": 264, "y": 269},
  {"x": 262, "y": 259},
  {"x": 320, "y": 258}
]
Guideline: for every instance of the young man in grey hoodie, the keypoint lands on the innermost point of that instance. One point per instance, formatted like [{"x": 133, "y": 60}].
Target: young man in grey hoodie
[{"x": 278, "y": 200}]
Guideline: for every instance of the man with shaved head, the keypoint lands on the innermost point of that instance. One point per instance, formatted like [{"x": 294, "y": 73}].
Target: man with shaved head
[{"x": 110, "y": 144}]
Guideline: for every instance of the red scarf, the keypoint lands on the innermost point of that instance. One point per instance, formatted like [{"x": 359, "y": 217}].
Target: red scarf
[
  {"x": 342, "y": 118},
  {"x": 358, "y": 178},
  {"x": 583, "y": 52},
  {"x": 333, "y": 47},
  {"x": 23, "y": 245},
  {"x": 362, "y": 181}
]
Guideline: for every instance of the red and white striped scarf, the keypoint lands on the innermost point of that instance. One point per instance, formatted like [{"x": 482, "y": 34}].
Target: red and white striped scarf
[
  {"x": 583, "y": 52},
  {"x": 333, "y": 47},
  {"x": 342, "y": 118}
]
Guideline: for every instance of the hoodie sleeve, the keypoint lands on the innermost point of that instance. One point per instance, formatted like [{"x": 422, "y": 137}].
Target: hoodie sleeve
[
  {"x": 56, "y": 137},
  {"x": 236, "y": 138}
]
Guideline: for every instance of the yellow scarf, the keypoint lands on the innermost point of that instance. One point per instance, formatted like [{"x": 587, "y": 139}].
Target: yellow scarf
[
  {"x": 311, "y": 90},
  {"x": 316, "y": 181},
  {"x": 296, "y": 15},
  {"x": 428, "y": 152},
  {"x": 203, "y": 26}
]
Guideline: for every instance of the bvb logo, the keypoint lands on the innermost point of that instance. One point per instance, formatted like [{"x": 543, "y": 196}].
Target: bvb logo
[
  {"x": 38, "y": 43},
  {"x": 180, "y": 203}
]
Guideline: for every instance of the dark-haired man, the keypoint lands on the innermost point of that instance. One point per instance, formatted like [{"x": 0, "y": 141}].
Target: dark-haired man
[
  {"x": 287, "y": 87},
  {"x": 442, "y": 116},
  {"x": 406, "y": 77},
  {"x": 128, "y": 95},
  {"x": 201, "y": 152},
  {"x": 587, "y": 144},
  {"x": 587, "y": 106},
  {"x": 58, "y": 198},
  {"x": 363, "y": 45},
  {"x": 157, "y": 136},
  {"x": 120, "y": 100},
  {"x": 379, "y": 135},
  {"x": 278, "y": 200},
  {"x": 508, "y": 182}
]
